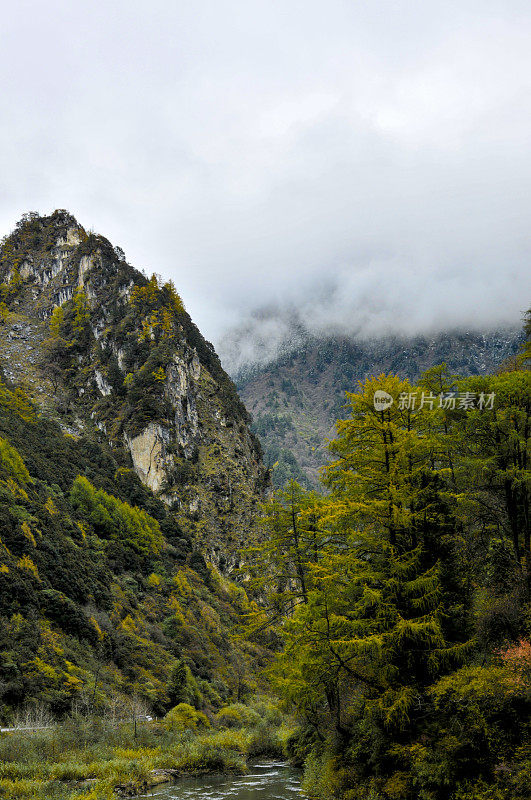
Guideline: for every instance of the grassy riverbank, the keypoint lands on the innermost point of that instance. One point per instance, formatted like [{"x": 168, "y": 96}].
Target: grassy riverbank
[{"x": 92, "y": 760}]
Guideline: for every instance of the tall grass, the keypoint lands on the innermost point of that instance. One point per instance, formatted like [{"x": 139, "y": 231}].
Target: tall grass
[{"x": 85, "y": 759}]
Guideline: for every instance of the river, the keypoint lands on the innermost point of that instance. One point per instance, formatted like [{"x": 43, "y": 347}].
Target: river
[{"x": 265, "y": 781}]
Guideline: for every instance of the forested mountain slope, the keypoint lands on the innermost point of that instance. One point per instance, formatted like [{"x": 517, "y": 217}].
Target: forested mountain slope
[
  {"x": 128, "y": 476},
  {"x": 296, "y": 399}
]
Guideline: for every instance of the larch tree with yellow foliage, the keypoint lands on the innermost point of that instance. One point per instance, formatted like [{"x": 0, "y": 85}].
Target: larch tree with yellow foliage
[{"x": 378, "y": 627}]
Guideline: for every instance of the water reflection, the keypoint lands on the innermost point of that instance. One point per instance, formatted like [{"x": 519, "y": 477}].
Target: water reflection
[{"x": 268, "y": 781}]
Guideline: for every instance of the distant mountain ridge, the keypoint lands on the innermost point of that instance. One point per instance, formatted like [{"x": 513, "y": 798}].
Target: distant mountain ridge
[{"x": 296, "y": 399}]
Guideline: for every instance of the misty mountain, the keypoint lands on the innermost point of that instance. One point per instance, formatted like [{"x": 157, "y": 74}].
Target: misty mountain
[{"x": 296, "y": 398}]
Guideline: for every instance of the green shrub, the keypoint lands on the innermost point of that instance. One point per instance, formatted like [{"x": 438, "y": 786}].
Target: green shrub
[
  {"x": 266, "y": 741},
  {"x": 238, "y": 716},
  {"x": 183, "y": 717}
]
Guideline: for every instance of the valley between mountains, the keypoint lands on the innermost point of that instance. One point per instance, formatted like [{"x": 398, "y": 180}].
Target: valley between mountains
[{"x": 197, "y": 572}]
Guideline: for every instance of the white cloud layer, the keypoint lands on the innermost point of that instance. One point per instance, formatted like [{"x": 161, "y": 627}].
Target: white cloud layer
[{"x": 366, "y": 161}]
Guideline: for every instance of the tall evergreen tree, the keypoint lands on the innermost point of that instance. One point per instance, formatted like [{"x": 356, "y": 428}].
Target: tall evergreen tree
[
  {"x": 278, "y": 567},
  {"x": 495, "y": 460},
  {"x": 377, "y": 629}
]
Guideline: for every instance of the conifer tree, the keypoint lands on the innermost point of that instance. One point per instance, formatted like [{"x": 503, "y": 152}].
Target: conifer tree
[
  {"x": 377, "y": 630},
  {"x": 495, "y": 459},
  {"x": 81, "y": 315},
  {"x": 178, "y": 684},
  {"x": 278, "y": 567}
]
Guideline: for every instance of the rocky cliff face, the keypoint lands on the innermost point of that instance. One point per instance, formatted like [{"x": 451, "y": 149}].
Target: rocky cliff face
[{"x": 101, "y": 348}]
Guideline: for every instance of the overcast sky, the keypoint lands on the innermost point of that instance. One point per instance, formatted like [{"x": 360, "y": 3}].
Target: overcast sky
[{"x": 368, "y": 161}]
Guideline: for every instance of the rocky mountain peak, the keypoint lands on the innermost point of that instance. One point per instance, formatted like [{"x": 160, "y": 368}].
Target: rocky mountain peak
[
  {"x": 52, "y": 257},
  {"x": 109, "y": 352}
]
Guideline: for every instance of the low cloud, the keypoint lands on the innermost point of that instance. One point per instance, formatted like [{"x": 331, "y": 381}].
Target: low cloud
[{"x": 359, "y": 167}]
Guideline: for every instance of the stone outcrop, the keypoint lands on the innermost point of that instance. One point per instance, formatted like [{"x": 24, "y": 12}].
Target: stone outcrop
[{"x": 148, "y": 451}]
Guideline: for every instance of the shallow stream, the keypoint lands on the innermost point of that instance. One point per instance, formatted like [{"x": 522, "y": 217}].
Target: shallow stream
[{"x": 265, "y": 781}]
